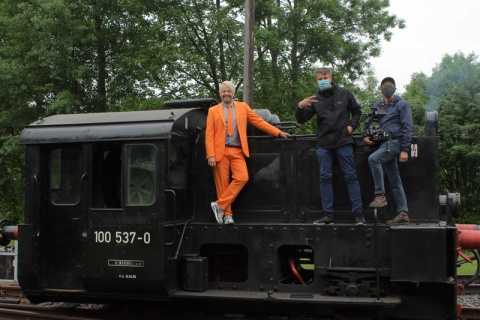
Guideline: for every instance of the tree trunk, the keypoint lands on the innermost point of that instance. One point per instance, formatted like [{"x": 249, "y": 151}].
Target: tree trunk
[
  {"x": 223, "y": 73},
  {"x": 294, "y": 60},
  {"x": 101, "y": 101},
  {"x": 248, "y": 52}
]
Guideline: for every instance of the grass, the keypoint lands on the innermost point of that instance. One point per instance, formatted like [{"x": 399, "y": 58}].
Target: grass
[
  {"x": 467, "y": 268},
  {"x": 308, "y": 266}
]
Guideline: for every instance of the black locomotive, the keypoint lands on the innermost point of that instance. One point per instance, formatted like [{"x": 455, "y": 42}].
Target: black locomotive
[{"x": 118, "y": 209}]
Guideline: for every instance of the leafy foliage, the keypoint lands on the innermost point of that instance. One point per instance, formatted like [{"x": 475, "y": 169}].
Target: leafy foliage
[
  {"x": 206, "y": 38},
  {"x": 12, "y": 182},
  {"x": 59, "y": 56},
  {"x": 454, "y": 90},
  {"x": 70, "y": 57},
  {"x": 292, "y": 37}
]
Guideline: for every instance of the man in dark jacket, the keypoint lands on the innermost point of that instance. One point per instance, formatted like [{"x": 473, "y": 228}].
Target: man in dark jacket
[
  {"x": 394, "y": 143},
  {"x": 333, "y": 106}
]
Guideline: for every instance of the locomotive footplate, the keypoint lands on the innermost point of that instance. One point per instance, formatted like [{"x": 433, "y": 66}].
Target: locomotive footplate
[{"x": 289, "y": 297}]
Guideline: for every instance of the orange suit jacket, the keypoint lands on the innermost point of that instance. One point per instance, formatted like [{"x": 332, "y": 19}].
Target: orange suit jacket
[{"x": 215, "y": 131}]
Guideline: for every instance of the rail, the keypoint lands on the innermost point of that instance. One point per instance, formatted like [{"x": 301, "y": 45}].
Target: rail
[
  {"x": 74, "y": 311},
  {"x": 470, "y": 313}
]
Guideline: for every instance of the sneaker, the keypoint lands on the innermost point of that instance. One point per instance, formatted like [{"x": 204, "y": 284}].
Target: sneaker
[
  {"x": 379, "y": 201},
  {"x": 227, "y": 219},
  {"x": 401, "y": 218},
  {"x": 327, "y": 219},
  {"x": 218, "y": 212},
  {"x": 359, "y": 219}
]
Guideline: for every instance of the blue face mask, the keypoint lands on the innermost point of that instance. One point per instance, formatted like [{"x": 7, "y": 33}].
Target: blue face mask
[{"x": 324, "y": 84}]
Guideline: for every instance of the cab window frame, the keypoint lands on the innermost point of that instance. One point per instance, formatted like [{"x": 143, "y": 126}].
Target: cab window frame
[
  {"x": 126, "y": 174},
  {"x": 73, "y": 178},
  {"x": 171, "y": 164}
]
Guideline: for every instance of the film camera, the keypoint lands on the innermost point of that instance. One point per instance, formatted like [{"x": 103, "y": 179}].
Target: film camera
[{"x": 374, "y": 131}]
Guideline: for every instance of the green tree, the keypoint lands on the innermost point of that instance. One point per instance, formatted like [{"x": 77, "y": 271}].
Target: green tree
[
  {"x": 12, "y": 160},
  {"x": 290, "y": 38},
  {"x": 82, "y": 56},
  {"x": 294, "y": 36},
  {"x": 59, "y": 56},
  {"x": 454, "y": 91},
  {"x": 207, "y": 49},
  {"x": 417, "y": 97}
]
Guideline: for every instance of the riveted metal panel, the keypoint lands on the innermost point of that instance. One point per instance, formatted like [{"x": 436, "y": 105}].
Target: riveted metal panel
[{"x": 419, "y": 254}]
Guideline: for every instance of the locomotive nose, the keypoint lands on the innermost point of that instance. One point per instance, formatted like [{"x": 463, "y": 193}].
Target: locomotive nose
[
  {"x": 7, "y": 232},
  {"x": 468, "y": 236}
]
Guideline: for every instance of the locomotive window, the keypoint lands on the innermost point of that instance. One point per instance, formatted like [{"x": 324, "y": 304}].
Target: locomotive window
[
  {"x": 107, "y": 175},
  {"x": 65, "y": 169},
  {"x": 140, "y": 175},
  {"x": 177, "y": 160}
]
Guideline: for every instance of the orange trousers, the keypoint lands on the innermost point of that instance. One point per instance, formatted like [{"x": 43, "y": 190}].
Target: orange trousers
[{"x": 234, "y": 160}]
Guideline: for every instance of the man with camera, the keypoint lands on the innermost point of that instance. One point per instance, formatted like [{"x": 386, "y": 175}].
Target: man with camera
[
  {"x": 333, "y": 106},
  {"x": 390, "y": 126}
]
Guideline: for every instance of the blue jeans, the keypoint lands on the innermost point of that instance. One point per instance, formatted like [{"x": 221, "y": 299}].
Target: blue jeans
[
  {"x": 388, "y": 159},
  {"x": 344, "y": 155}
]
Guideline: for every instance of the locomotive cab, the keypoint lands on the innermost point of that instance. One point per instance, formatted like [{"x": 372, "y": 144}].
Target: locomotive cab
[{"x": 103, "y": 193}]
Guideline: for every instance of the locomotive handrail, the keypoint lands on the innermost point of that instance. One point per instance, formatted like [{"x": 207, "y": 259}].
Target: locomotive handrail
[
  {"x": 198, "y": 130},
  {"x": 293, "y": 124},
  {"x": 311, "y": 135},
  {"x": 290, "y": 136},
  {"x": 377, "y": 269},
  {"x": 174, "y": 216},
  {"x": 36, "y": 205}
]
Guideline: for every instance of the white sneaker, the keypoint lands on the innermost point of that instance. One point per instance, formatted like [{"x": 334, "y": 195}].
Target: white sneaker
[
  {"x": 218, "y": 212},
  {"x": 227, "y": 219}
]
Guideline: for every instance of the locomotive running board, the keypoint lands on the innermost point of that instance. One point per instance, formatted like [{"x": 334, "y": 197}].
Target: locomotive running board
[{"x": 287, "y": 297}]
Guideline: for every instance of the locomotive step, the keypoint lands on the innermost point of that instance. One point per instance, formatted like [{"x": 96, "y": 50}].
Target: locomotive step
[{"x": 288, "y": 297}]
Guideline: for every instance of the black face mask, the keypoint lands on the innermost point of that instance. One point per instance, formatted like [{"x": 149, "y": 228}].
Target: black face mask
[{"x": 388, "y": 92}]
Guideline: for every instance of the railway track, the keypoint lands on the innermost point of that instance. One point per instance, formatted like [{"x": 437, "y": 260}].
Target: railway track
[
  {"x": 10, "y": 308},
  {"x": 470, "y": 313},
  {"x": 11, "y": 289},
  {"x": 463, "y": 277},
  {"x": 72, "y": 312},
  {"x": 473, "y": 288}
]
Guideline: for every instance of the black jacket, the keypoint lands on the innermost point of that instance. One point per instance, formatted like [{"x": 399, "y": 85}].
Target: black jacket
[{"x": 333, "y": 108}]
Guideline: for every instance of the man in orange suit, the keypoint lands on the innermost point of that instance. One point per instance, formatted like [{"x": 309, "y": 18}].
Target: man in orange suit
[{"x": 227, "y": 145}]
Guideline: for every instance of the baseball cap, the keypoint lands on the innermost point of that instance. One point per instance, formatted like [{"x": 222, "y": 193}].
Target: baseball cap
[{"x": 390, "y": 79}]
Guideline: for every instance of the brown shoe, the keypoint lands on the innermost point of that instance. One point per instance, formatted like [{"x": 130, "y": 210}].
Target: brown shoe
[
  {"x": 379, "y": 201},
  {"x": 401, "y": 218}
]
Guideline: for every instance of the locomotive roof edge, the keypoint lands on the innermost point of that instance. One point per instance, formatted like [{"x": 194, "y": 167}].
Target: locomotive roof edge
[
  {"x": 190, "y": 103},
  {"x": 108, "y": 126}
]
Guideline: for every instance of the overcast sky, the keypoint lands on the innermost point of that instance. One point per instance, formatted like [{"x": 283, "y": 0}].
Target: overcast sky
[{"x": 433, "y": 28}]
